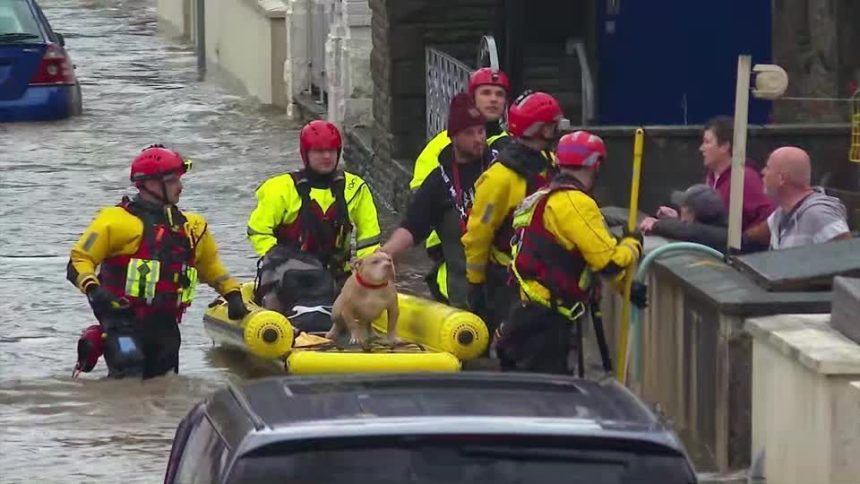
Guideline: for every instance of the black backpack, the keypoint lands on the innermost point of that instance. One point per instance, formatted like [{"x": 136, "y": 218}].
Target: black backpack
[{"x": 297, "y": 285}]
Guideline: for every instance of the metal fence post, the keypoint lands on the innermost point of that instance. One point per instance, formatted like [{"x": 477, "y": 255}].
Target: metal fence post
[{"x": 201, "y": 38}]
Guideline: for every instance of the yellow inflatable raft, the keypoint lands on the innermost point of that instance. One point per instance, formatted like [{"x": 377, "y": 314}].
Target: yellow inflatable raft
[{"x": 438, "y": 337}]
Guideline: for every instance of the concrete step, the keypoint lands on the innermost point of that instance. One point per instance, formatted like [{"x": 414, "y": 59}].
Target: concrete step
[{"x": 845, "y": 316}]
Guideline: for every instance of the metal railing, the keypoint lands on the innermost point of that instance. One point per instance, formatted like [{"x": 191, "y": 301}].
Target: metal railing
[
  {"x": 446, "y": 76},
  {"x": 586, "y": 80}
]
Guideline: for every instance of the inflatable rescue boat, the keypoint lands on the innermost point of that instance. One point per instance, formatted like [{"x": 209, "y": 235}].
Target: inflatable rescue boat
[{"x": 436, "y": 338}]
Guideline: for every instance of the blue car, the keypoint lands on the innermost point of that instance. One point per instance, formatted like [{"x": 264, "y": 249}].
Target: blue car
[{"x": 37, "y": 77}]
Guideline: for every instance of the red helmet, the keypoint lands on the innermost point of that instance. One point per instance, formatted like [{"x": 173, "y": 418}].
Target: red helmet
[
  {"x": 486, "y": 76},
  {"x": 530, "y": 111},
  {"x": 580, "y": 149},
  {"x": 156, "y": 161},
  {"x": 319, "y": 135}
]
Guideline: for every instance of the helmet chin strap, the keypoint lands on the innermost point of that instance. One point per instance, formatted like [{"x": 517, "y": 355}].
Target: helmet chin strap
[{"x": 162, "y": 198}]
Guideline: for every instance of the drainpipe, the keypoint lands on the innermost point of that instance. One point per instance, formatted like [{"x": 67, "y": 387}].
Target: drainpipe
[
  {"x": 310, "y": 46},
  {"x": 201, "y": 38}
]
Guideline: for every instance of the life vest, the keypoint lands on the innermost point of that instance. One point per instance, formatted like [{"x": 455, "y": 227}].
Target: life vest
[
  {"x": 539, "y": 257},
  {"x": 497, "y": 138},
  {"x": 322, "y": 233},
  {"x": 450, "y": 276},
  {"x": 536, "y": 178},
  {"x": 160, "y": 278},
  {"x": 462, "y": 197}
]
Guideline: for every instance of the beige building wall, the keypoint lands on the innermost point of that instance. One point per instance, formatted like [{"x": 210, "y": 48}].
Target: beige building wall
[
  {"x": 246, "y": 40},
  {"x": 805, "y": 400},
  {"x": 174, "y": 17}
]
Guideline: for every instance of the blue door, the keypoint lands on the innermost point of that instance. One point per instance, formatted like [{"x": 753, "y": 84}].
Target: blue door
[{"x": 675, "y": 61}]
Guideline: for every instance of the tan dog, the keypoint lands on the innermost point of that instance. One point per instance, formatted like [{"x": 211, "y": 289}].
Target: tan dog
[{"x": 368, "y": 291}]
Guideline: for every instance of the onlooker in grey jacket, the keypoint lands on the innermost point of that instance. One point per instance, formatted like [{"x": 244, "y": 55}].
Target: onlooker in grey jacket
[{"x": 805, "y": 215}]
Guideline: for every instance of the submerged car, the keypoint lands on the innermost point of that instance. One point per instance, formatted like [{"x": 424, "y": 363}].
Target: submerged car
[
  {"x": 37, "y": 77},
  {"x": 445, "y": 428}
]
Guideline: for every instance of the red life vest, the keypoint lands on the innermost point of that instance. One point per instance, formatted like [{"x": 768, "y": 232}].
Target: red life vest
[
  {"x": 539, "y": 256},
  {"x": 160, "y": 278},
  {"x": 322, "y": 233}
]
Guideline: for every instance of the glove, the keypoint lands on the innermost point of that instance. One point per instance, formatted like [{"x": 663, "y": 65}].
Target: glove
[
  {"x": 639, "y": 295},
  {"x": 236, "y": 308},
  {"x": 104, "y": 302},
  {"x": 635, "y": 234},
  {"x": 477, "y": 299}
]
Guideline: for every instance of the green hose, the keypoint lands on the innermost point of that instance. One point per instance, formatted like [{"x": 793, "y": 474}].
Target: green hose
[{"x": 644, "y": 266}]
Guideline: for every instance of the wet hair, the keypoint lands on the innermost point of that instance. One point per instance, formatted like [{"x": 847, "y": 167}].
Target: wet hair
[{"x": 723, "y": 128}]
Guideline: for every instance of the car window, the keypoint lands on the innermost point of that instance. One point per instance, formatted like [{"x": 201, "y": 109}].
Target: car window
[
  {"x": 204, "y": 455},
  {"x": 44, "y": 20},
  {"x": 180, "y": 438},
  {"x": 17, "y": 18},
  {"x": 461, "y": 463}
]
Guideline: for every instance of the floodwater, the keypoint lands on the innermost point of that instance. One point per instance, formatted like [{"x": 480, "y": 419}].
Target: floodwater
[{"x": 139, "y": 87}]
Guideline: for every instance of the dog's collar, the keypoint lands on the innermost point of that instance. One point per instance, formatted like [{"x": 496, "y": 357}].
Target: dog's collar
[{"x": 363, "y": 283}]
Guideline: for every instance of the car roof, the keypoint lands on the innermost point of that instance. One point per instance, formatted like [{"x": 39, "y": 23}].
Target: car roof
[{"x": 307, "y": 405}]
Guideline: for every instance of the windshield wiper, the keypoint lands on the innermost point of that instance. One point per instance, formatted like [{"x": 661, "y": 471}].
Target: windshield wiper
[{"x": 17, "y": 36}]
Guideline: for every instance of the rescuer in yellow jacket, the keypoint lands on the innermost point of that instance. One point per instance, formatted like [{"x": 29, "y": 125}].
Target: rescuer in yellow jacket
[
  {"x": 316, "y": 209},
  {"x": 520, "y": 169},
  {"x": 489, "y": 90},
  {"x": 561, "y": 242},
  {"x": 149, "y": 256}
]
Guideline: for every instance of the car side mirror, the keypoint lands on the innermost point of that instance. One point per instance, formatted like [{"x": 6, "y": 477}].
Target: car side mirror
[{"x": 62, "y": 40}]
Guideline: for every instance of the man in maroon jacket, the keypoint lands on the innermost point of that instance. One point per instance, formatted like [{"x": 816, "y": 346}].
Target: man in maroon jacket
[{"x": 716, "y": 152}]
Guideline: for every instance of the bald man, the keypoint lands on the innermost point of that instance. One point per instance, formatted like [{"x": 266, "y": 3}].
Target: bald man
[{"x": 804, "y": 215}]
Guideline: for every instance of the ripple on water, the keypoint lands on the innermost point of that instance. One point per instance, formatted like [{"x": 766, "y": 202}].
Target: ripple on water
[{"x": 138, "y": 89}]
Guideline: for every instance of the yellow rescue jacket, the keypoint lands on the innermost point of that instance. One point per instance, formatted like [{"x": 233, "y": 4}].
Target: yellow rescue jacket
[
  {"x": 498, "y": 191},
  {"x": 116, "y": 232},
  {"x": 278, "y": 203},
  {"x": 573, "y": 221},
  {"x": 428, "y": 160}
]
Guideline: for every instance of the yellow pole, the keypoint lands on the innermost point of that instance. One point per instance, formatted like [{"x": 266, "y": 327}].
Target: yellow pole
[
  {"x": 854, "y": 153},
  {"x": 623, "y": 351}
]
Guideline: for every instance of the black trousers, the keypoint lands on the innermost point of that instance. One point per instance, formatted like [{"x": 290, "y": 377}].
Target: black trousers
[
  {"x": 536, "y": 339},
  {"x": 146, "y": 349},
  {"x": 502, "y": 296}
]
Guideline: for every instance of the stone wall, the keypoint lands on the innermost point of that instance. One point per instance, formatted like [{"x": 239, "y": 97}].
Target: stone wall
[
  {"x": 816, "y": 42},
  {"x": 671, "y": 161},
  {"x": 388, "y": 179},
  {"x": 401, "y": 30},
  {"x": 671, "y": 158}
]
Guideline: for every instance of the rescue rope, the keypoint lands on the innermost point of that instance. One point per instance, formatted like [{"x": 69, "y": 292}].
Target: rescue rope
[{"x": 374, "y": 345}]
